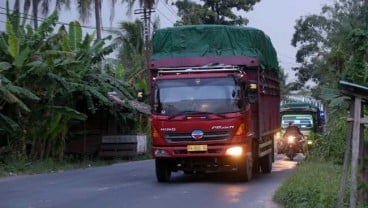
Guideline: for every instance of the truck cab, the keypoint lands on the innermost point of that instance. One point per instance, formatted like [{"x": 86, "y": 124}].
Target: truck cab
[{"x": 201, "y": 113}]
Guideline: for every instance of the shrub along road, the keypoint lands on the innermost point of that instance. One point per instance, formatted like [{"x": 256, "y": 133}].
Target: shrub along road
[{"x": 133, "y": 184}]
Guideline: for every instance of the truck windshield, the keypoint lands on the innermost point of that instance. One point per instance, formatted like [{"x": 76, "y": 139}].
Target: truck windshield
[
  {"x": 196, "y": 96},
  {"x": 303, "y": 122}
]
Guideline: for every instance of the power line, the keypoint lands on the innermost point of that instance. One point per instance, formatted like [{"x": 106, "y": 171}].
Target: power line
[
  {"x": 170, "y": 9},
  {"x": 165, "y": 16},
  {"x": 40, "y": 19}
]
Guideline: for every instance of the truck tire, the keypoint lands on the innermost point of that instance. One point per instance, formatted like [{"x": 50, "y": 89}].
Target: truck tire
[
  {"x": 163, "y": 171},
  {"x": 245, "y": 169},
  {"x": 266, "y": 163}
]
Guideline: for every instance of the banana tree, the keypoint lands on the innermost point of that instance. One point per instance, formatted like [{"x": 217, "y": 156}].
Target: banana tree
[{"x": 56, "y": 70}]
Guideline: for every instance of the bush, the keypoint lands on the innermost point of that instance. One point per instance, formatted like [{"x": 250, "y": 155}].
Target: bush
[
  {"x": 313, "y": 184},
  {"x": 331, "y": 145}
]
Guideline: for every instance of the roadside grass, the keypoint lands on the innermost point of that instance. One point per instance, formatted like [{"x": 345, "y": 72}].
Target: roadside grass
[
  {"x": 22, "y": 166},
  {"x": 313, "y": 184}
]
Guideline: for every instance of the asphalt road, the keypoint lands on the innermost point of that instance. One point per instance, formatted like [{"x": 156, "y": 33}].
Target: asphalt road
[{"x": 133, "y": 184}]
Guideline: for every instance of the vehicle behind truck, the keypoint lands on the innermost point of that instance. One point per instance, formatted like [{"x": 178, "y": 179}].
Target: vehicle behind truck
[
  {"x": 306, "y": 116},
  {"x": 215, "y": 100}
]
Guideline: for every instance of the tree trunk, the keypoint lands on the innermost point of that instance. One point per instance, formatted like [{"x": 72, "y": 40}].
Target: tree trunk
[
  {"x": 17, "y": 5},
  {"x": 62, "y": 145},
  {"x": 35, "y": 13},
  {"x": 32, "y": 155},
  {"x": 23, "y": 131},
  {"x": 26, "y": 6},
  {"x": 98, "y": 18}
]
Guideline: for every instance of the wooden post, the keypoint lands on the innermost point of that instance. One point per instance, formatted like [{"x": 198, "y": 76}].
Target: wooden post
[
  {"x": 346, "y": 156},
  {"x": 363, "y": 162},
  {"x": 355, "y": 152},
  {"x": 359, "y": 163}
]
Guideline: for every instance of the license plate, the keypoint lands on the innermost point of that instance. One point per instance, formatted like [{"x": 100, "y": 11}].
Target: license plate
[{"x": 194, "y": 148}]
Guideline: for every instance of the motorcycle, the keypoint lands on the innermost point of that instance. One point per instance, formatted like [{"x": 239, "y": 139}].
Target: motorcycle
[{"x": 291, "y": 145}]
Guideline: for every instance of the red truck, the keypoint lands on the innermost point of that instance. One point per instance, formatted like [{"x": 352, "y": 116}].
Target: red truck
[{"x": 215, "y": 100}]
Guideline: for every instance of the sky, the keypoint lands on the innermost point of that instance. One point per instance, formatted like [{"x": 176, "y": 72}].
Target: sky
[{"x": 276, "y": 18}]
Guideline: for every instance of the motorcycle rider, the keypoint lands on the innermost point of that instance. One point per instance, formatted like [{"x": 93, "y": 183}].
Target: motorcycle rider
[{"x": 293, "y": 130}]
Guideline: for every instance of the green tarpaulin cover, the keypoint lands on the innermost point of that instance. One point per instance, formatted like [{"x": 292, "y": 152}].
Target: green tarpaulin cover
[{"x": 214, "y": 40}]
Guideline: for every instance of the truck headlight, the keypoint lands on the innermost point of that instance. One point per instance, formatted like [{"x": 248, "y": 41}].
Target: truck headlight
[{"x": 234, "y": 151}]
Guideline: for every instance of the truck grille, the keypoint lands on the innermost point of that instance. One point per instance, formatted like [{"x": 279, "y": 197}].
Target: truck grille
[{"x": 187, "y": 137}]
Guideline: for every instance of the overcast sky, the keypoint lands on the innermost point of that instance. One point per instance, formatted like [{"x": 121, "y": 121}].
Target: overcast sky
[{"x": 275, "y": 17}]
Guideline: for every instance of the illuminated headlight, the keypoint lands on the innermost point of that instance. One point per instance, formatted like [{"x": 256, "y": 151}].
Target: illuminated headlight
[
  {"x": 234, "y": 151},
  {"x": 160, "y": 153},
  {"x": 310, "y": 142},
  {"x": 277, "y": 136},
  {"x": 291, "y": 139}
]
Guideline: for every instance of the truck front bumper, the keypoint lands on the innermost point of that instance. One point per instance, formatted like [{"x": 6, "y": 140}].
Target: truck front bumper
[
  {"x": 214, "y": 159},
  {"x": 200, "y": 150}
]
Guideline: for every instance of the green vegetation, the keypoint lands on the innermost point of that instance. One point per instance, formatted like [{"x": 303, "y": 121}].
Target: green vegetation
[
  {"x": 313, "y": 184},
  {"x": 331, "y": 46},
  {"x": 21, "y": 165},
  {"x": 51, "y": 79},
  {"x": 213, "y": 12}
]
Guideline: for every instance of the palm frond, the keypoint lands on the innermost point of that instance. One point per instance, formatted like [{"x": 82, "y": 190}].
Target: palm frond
[
  {"x": 4, "y": 66},
  {"x": 75, "y": 35},
  {"x": 22, "y": 92},
  {"x": 13, "y": 42},
  {"x": 69, "y": 112},
  {"x": 8, "y": 124}
]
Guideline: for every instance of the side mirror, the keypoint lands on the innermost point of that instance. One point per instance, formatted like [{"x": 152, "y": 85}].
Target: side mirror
[
  {"x": 252, "y": 95},
  {"x": 140, "y": 96}
]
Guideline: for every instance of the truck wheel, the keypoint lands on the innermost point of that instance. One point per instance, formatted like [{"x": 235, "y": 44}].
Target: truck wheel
[
  {"x": 245, "y": 169},
  {"x": 163, "y": 171},
  {"x": 266, "y": 163}
]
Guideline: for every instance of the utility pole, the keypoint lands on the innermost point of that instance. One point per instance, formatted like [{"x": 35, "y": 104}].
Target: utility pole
[{"x": 146, "y": 17}]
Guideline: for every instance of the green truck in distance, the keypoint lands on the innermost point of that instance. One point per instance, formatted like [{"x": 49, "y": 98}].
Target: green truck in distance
[{"x": 308, "y": 117}]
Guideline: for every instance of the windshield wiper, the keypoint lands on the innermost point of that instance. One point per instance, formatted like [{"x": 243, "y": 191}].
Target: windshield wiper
[{"x": 195, "y": 113}]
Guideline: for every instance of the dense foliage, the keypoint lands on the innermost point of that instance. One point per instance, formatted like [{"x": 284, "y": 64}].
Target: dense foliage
[
  {"x": 332, "y": 46},
  {"x": 45, "y": 74},
  {"x": 213, "y": 11}
]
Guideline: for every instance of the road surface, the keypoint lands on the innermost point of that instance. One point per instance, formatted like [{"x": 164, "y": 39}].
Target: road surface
[{"x": 133, "y": 184}]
